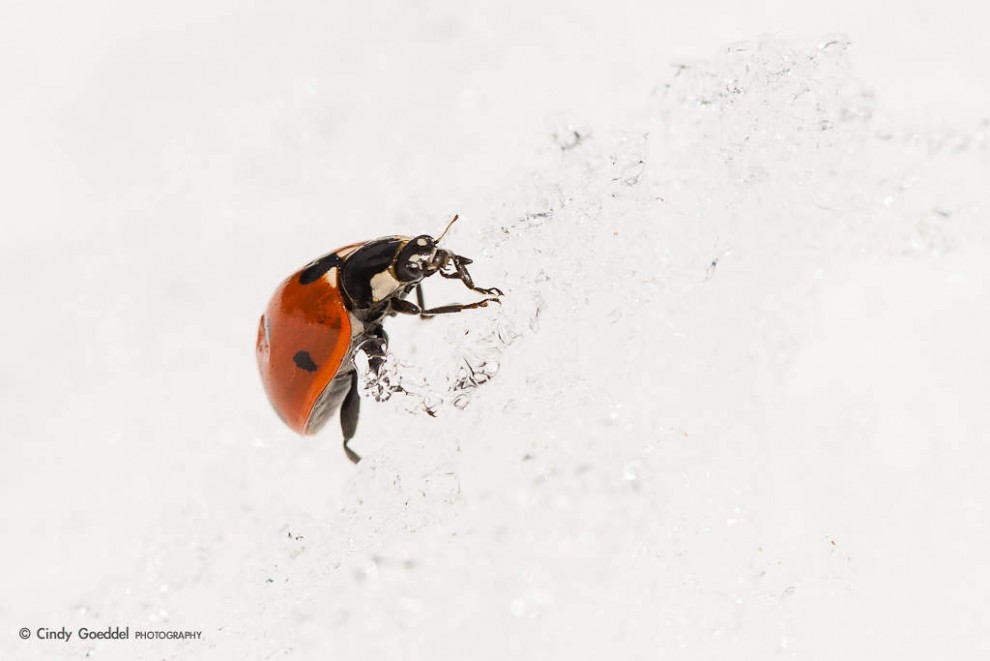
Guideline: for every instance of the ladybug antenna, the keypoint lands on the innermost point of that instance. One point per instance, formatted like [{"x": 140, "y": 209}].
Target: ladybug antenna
[{"x": 444, "y": 232}]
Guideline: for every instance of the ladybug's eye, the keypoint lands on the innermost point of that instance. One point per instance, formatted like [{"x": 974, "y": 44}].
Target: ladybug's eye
[{"x": 414, "y": 267}]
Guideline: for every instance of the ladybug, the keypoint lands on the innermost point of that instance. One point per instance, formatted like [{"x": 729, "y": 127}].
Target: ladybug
[{"x": 324, "y": 314}]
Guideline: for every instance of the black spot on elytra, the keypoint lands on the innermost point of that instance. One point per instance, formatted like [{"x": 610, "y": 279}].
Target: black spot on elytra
[
  {"x": 304, "y": 361},
  {"x": 318, "y": 269}
]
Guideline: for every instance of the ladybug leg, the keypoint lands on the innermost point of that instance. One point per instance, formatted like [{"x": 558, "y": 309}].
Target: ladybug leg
[
  {"x": 457, "y": 307},
  {"x": 349, "y": 411},
  {"x": 377, "y": 378},
  {"x": 461, "y": 273},
  {"x": 374, "y": 344},
  {"x": 405, "y": 307},
  {"x": 421, "y": 301}
]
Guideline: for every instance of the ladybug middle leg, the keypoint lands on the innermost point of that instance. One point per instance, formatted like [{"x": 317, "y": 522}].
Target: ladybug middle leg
[
  {"x": 419, "y": 296},
  {"x": 406, "y": 307},
  {"x": 460, "y": 272},
  {"x": 457, "y": 307}
]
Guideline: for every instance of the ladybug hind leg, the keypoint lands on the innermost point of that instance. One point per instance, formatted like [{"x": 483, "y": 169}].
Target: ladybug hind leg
[
  {"x": 375, "y": 346},
  {"x": 349, "y": 412}
]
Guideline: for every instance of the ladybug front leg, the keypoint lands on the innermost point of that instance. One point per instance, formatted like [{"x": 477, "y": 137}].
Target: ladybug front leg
[{"x": 460, "y": 272}]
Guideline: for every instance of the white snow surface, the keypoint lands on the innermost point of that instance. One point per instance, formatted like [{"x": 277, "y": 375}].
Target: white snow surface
[{"x": 734, "y": 404}]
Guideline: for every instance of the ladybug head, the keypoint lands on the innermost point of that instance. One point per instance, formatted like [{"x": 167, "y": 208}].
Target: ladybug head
[{"x": 420, "y": 258}]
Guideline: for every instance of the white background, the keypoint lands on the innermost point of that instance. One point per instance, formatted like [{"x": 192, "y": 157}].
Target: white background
[{"x": 781, "y": 454}]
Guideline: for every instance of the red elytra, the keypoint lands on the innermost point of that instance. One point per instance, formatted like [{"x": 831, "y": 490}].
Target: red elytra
[{"x": 300, "y": 316}]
